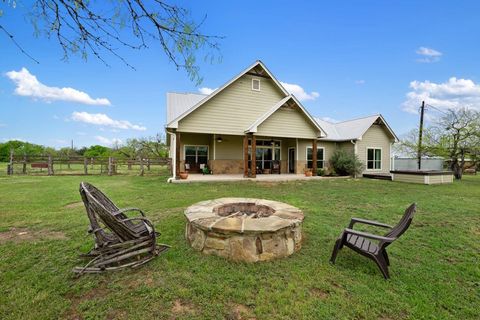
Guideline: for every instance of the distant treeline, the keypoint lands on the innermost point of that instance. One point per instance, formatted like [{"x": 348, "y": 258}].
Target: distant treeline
[{"x": 133, "y": 148}]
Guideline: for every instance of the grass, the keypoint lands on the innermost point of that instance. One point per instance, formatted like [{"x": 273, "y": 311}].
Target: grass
[{"x": 434, "y": 274}]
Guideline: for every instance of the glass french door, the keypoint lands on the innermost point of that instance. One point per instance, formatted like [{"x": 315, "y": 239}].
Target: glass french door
[{"x": 264, "y": 158}]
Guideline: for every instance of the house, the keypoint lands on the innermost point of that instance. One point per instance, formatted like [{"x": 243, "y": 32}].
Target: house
[{"x": 253, "y": 114}]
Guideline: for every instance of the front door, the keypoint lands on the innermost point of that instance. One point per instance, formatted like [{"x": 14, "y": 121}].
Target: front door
[{"x": 291, "y": 160}]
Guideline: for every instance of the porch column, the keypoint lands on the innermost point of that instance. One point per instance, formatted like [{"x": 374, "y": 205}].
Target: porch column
[
  {"x": 245, "y": 156},
  {"x": 314, "y": 157},
  {"x": 253, "y": 164},
  {"x": 177, "y": 155}
]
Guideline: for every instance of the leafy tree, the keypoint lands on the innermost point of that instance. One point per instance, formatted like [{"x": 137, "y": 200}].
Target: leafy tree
[
  {"x": 346, "y": 163},
  {"x": 19, "y": 149},
  {"x": 97, "y": 151},
  {"x": 97, "y": 28}
]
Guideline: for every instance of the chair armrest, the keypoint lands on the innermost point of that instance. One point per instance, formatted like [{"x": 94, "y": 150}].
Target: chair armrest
[
  {"x": 147, "y": 222},
  {"x": 369, "y": 222},
  {"x": 368, "y": 235},
  {"x": 127, "y": 210}
]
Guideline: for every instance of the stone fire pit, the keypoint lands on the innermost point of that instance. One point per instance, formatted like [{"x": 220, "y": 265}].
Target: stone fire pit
[{"x": 244, "y": 229}]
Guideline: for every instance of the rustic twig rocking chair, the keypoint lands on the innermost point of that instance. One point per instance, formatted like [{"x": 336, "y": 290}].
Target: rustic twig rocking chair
[
  {"x": 362, "y": 243},
  {"x": 120, "y": 241}
]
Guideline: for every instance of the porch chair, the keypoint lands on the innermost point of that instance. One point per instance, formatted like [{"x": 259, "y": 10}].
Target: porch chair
[
  {"x": 120, "y": 241},
  {"x": 276, "y": 166},
  {"x": 362, "y": 242}
]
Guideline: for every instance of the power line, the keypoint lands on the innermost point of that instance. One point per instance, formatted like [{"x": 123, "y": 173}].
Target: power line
[{"x": 429, "y": 105}]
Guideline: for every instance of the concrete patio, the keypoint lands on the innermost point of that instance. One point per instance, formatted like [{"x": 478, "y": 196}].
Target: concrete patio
[{"x": 260, "y": 178}]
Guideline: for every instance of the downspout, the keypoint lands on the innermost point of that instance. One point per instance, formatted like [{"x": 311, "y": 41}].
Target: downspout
[
  {"x": 174, "y": 160},
  {"x": 354, "y": 153}
]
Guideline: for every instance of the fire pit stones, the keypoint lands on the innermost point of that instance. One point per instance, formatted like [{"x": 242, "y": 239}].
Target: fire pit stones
[{"x": 244, "y": 229}]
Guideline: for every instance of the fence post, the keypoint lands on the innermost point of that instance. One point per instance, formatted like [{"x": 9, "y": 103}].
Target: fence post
[
  {"x": 50, "y": 165},
  {"x": 91, "y": 163},
  {"x": 148, "y": 164},
  {"x": 68, "y": 162},
  {"x": 129, "y": 164},
  {"x": 10, "y": 164},
  {"x": 85, "y": 165},
  {"x": 142, "y": 170},
  {"x": 24, "y": 169},
  {"x": 109, "y": 166}
]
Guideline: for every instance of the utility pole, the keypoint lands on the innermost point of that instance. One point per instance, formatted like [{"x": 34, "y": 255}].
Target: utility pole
[{"x": 420, "y": 133}]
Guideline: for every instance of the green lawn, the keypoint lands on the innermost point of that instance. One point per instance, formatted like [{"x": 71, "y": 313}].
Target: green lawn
[{"x": 435, "y": 271}]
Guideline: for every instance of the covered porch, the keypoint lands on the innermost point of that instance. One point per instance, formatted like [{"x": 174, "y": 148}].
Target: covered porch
[{"x": 232, "y": 155}]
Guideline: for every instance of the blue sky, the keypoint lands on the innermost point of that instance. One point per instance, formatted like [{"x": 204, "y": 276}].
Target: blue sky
[{"x": 361, "y": 57}]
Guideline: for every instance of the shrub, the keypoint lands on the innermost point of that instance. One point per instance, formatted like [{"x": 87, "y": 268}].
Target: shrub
[
  {"x": 320, "y": 172},
  {"x": 345, "y": 163}
]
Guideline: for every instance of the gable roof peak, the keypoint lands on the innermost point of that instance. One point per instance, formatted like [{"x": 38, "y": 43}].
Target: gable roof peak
[{"x": 174, "y": 123}]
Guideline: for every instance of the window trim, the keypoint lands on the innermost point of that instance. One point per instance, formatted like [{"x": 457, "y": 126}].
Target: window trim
[
  {"x": 196, "y": 152},
  {"x": 374, "y": 160},
  {"x": 259, "y": 84},
  {"x": 323, "y": 160}
]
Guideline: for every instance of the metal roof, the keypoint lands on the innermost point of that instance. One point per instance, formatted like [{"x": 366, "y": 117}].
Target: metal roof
[
  {"x": 351, "y": 129},
  {"x": 178, "y": 103}
]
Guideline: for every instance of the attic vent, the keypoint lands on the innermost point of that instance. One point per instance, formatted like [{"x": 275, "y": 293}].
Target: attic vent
[{"x": 256, "y": 84}]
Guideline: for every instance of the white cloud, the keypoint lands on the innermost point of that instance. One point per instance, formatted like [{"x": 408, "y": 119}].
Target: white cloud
[
  {"x": 107, "y": 141},
  {"x": 453, "y": 94},
  {"x": 102, "y": 119},
  {"x": 206, "y": 90},
  {"x": 360, "y": 82},
  {"x": 299, "y": 92},
  {"x": 81, "y": 133},
  {"x": 428, "y": 55},
  {"x": 29, "y": 86}
]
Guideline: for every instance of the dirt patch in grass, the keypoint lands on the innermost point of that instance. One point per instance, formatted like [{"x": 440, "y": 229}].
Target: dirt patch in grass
[
  {"x": 73, "y": 205},
  {"x": 99, "y": 292},
  {"x": 240, "y": 312},
  {"x": 182, "y": 308},
  {"x": 23, "y": 234},
  {"x": 319, "y": 293}
]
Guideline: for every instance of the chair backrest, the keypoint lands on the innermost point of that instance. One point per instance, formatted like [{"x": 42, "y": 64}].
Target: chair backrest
[
  {"x": 101, "y": 236},
  {"x": 276, "y": 165},
  {"x": 404, "y": 223},
  {"x": 99, "y": 205}
]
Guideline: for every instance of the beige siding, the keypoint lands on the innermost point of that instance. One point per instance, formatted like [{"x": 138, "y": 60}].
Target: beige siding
[
  {"x": 288, "y": 122},
  {"x": 375, "y": 137},
  {"x": 234, "y": 109},
  {"x": 230, "y": 148}
]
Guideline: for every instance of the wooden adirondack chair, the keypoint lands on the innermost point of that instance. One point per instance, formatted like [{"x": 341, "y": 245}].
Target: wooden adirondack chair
[
  {"x": 120, "y": 241},
  {"x": 363, "y": 242}
]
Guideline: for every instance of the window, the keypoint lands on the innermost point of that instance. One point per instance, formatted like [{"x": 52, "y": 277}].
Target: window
[
  {"x": 374, "y": 159},
  {"x": 256, "y": 84},
  {"x": 196, "y": 155},
  {"x": 267, "y": 151},
  {"x": 320, "y": 157}
]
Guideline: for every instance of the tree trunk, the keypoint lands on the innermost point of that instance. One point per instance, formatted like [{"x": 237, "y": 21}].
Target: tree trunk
[{"x": 456, "y": 169}]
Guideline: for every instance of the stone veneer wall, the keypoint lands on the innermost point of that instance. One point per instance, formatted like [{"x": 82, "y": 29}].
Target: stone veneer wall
[
  {"x": 226, "y": 166},
  {"x": 246, "y": 247}
]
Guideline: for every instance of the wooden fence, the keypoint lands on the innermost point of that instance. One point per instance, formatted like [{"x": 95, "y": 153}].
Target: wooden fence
[{"x": 79, "y": 165}]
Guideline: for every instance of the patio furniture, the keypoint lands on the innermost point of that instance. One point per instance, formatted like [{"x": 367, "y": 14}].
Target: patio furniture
[
  {"x": 363, "y": 242},
  {"x": 120, "y": 241},
  {"x": 276, "y": 166}
]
